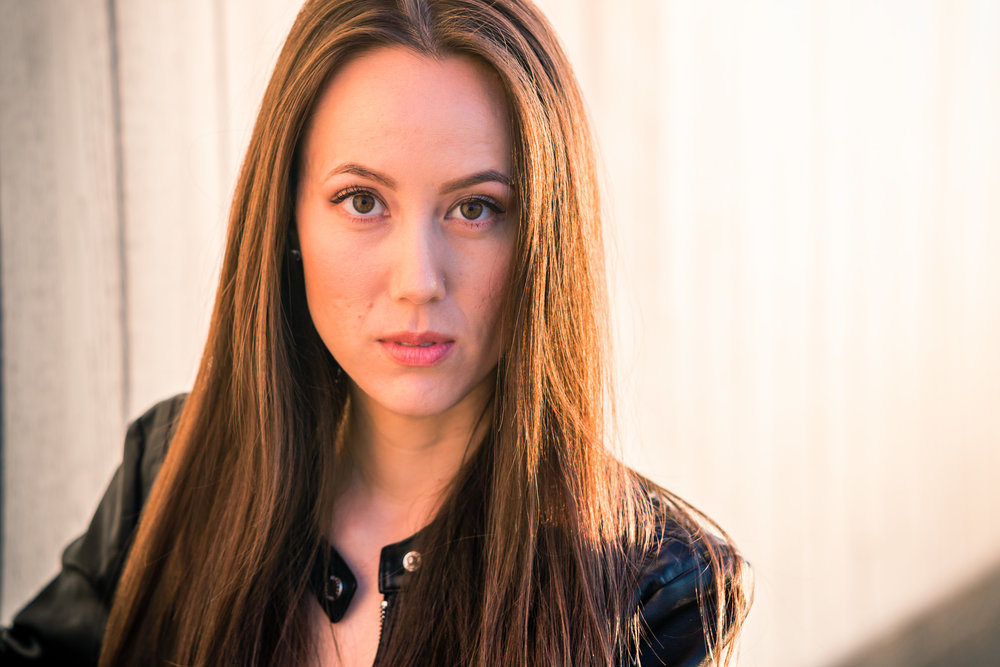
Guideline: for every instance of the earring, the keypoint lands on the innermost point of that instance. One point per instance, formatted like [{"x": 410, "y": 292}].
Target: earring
[{"x": 296, "y": 254}]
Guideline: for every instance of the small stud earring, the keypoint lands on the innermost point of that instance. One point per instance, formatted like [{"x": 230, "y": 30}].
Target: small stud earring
[{"x": 296, "y": 254}]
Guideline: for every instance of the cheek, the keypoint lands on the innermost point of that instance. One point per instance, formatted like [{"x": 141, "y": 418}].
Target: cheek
[
  {"x": 493, "y": 273},
  {"x": 497, "y": 285},
  {"x": 338, "y": 292}
]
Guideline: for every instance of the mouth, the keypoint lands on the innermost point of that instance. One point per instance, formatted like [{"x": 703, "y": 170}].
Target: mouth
[
  {"x": 416, "y": 338},
  {"x": 417, "y": 349}
]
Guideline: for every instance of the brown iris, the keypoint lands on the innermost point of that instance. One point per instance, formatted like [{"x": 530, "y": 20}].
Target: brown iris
[
  {"x": 471, "y": 209},
  {"x": 363, "y": 203}
]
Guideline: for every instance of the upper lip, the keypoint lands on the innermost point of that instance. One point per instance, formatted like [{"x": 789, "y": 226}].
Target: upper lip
[{"x": 415, "y": 337}]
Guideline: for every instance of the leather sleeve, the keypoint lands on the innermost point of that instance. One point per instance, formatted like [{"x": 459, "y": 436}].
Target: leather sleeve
[
  {"x": 64, "y": 623},
  {"x": 670, "y": 615}
]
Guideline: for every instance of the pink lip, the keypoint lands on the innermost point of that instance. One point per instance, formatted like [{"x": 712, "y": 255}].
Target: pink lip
[{"x": 402, "y": 347}]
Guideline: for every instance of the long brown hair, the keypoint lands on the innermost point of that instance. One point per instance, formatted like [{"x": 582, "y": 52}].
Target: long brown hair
[{"x": 545, "y": 547}]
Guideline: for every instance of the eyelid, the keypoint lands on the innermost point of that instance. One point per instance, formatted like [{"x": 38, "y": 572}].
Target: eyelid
[
  {"x": 353, "y": 190},
  {"x": 490, "y": 202},
  {"x": 492, "y": 207}
]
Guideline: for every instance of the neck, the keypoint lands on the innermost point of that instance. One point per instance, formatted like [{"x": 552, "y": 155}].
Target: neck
[{"x": 399, "y": 466}]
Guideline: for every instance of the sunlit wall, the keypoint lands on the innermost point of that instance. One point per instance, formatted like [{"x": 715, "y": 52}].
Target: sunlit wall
[{"x": 803, "y": 202}]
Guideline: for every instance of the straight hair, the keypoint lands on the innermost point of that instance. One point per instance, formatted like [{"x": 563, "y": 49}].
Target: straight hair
[{"x": 543, "y": 534}]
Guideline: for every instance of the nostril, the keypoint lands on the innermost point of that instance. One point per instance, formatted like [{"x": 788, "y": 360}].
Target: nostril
[{"x": 418, "y": 276}]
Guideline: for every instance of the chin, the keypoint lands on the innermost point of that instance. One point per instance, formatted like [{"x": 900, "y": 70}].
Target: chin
[
  {"x": 411, "y": 401},
  {"x": 421, "y": 399}
]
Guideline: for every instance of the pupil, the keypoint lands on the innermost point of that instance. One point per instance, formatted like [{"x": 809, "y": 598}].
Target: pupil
[
  {"x": 472, "y": 210},
  {"x": 364, "y": 203}
]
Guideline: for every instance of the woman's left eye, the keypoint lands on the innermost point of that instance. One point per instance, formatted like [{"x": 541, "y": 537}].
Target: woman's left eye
[{"x": 477, "y": 209}]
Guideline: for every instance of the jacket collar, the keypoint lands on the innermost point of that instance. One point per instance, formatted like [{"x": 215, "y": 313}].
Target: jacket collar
[{"x": 334, "y": 585}]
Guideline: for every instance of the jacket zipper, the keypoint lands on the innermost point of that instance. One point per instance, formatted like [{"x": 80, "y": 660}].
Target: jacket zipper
[{"x": 381, "y": 628}]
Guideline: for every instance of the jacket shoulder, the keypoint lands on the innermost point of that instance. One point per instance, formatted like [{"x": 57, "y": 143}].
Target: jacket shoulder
[
  {"x": 147, "y": 440},
  {"x": 678, "y": 587},
  {"x": 64, "y": 623}
]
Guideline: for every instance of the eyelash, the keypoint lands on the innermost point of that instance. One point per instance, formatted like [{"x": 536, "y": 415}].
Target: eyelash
[
  {"x": 351, "y": 191},
  {"x": 487, "y": 201}
]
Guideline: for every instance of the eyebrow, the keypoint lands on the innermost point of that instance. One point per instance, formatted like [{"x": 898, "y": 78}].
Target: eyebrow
[
  {"x": 358, "y": 170},
  {"x": 487, "y": 176}
]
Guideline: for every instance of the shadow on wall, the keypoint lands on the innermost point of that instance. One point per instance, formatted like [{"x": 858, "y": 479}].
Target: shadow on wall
[{"x": 961, "y": 631}]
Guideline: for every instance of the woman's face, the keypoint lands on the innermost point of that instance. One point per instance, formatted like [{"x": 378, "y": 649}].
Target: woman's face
[{"x": 405, "y": 219}]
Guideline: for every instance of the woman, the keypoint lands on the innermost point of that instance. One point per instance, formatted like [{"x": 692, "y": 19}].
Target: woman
[{"x": 394, "y": 451}]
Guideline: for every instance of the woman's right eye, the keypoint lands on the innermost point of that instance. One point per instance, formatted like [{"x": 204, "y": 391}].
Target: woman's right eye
[{"x": 359, "y": 203}]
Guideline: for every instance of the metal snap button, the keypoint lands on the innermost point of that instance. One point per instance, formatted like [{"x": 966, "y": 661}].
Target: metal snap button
[
  {"x": 411, "y": 561},
  {"x": 338, "y": 588}
]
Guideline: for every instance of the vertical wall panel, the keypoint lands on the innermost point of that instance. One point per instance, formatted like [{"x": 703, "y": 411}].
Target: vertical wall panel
[
  {"x": 176, "y": 190},
  {"x": 62, "y": 310},
  {"x": 803, "y": 294},
  {"x": 253, "y": 32}
]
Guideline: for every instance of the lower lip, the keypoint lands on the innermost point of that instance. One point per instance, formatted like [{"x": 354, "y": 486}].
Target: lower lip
[{"x": 415, "y": 355}]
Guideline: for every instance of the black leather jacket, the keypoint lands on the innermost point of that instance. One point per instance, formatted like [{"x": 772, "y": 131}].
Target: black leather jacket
[{"x": 64, "y": 623}]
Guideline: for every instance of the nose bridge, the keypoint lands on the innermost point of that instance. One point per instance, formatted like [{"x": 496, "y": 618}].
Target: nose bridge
[{"x": 417, "y": 272}]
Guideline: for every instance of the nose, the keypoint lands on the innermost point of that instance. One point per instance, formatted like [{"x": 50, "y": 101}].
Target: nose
[{"x": 417, "y": 271}]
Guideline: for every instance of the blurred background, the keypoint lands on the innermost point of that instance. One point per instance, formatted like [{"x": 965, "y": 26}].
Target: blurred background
[{"x": 803, "y": 206}]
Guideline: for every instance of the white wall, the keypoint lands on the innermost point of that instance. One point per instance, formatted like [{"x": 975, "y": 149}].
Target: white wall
[
  {"x": 120, "y": 136},
  {"x": 804, "y": 200},
  {"x": 64, "y": 362}
]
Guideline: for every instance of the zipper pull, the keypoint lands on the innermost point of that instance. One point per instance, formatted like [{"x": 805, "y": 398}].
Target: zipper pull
[{"x": 381, "y": 620}]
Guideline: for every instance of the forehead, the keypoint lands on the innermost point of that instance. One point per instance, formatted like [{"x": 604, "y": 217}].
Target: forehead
[{"x": 392, "y": 103}]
